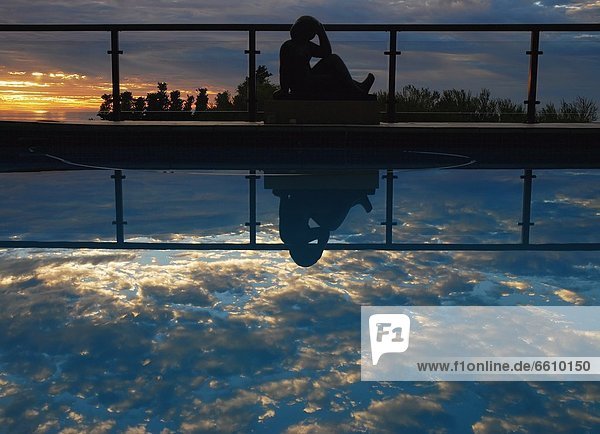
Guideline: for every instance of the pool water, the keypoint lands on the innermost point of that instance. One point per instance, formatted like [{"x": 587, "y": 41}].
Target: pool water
[{"x": 243, "y": 339}]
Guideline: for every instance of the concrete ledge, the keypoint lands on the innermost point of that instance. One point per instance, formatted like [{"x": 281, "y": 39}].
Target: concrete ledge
[
  {"x": 321, "y": 112},
  {"x": 243, "y": 145}
]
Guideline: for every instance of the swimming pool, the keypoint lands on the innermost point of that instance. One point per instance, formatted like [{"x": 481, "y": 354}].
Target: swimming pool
[{"x": 218, "y": 339}]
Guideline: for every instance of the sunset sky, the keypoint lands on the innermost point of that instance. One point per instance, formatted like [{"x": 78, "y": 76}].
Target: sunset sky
[{"x": 45, "y": 74}]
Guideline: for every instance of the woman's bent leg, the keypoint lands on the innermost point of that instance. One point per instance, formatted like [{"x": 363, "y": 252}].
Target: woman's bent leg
[{"x": 333, "y": 70}]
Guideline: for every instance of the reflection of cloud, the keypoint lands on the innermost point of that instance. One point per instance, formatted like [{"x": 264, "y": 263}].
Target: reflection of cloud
[
  {"x": 530, "y": 408},
  {"x": 242, "y": 341},
  {"x": 570, "y": 297},
  {"x": 112, "y": 333},
  {"x": 403, "y": 413},
  {"x": 232, "y": 414}
]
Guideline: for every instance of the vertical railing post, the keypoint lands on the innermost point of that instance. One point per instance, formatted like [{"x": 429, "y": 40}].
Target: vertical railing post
[
  {"x": 389, "y": 205},
  {"x": 534, "y": 52},
  {"x": 525, "y": 222},
  {"x": 119, "y": 222},
  {"x": 116, "y": 91},
  {"x": 252, "y": 52},
  {"x": 252, "y": 224},
  {"x": 391, "y": 100}
]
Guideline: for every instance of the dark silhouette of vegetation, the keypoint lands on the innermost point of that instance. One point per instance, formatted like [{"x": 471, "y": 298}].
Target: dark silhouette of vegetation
[
  {"x": 223, "y": 101},
  {"x": 165, "y": 105},
  {"x": 264, "y": 90},
  {"x": 453, "y": 105},
  {"x": 156, "y": 105},
  {"x": 412, "y": 104},
  {"x": 202, "y": 99},
  {"x": 580, "y": 110}
]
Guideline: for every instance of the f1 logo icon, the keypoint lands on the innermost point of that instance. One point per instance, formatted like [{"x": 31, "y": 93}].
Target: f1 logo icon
[{"x": 389, "y": 333}]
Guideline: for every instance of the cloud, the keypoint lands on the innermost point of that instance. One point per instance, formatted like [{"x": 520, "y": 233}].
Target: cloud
[
  {"x": 216, "y": 60},
  {"x": 588, "y": 9}
]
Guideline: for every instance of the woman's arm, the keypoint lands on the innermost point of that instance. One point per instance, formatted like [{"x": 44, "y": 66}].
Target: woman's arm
[{"x": 324, "y": 47}]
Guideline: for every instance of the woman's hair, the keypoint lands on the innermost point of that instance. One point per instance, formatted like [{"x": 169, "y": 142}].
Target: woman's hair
[
  {"x": 305, "y": 28},
  {"x": 306, "y": 255}
]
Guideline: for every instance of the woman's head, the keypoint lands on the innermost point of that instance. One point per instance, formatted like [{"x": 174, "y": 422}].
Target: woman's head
[
  {"x": 306, "y": 255},
  {"x": 304, "y": 29}
]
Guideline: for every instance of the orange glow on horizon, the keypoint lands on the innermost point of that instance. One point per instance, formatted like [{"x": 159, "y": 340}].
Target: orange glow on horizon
[
  {"x": 46, "y": 92},
  {"x": 38, "y": 92}
]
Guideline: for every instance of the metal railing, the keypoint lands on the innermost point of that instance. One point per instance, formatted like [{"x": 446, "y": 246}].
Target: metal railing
[
  {"x": 251, "y": 29},
  {"x": 388, "y": 243}
]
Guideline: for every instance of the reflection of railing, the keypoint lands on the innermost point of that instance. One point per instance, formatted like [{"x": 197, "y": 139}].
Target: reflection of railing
[
  {"x": 387, "y": 245},
  {"x": 251, "y": 29}
]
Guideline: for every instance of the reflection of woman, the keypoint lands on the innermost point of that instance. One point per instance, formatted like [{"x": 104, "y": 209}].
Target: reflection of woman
[
  {"x": 329, "y": 78},
  {"x": 326, "y": 208}
]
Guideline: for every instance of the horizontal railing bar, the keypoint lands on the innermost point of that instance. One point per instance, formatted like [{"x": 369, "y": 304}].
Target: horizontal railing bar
[
  {"x": 566, "y": 27},
  {"x": 99, "y": 245}
]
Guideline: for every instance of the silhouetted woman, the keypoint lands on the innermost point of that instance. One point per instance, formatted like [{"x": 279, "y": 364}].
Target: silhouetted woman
[
  {"x": 327, "y": 208},
  {"x": 328, "y": 79}
]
